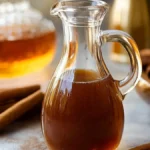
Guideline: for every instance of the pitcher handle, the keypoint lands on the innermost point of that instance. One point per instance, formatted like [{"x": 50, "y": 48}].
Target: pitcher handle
[{"x": 129, "y": 82}]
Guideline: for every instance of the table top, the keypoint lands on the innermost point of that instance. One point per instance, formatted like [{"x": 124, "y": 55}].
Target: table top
[{"x": 26, "y": 134}]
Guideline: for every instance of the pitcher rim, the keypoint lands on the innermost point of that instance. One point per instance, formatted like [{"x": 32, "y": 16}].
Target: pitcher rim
[{"x": 59, "y": 7}]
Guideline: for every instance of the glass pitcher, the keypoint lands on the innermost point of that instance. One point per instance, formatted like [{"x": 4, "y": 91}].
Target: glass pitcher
[
  {"x": 27, "y": 43},
  {"x": 83, "y": 107}
]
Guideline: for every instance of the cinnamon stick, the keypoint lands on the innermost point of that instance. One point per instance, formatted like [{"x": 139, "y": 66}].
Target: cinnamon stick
[
  {"x": 6, "y": 106},
  {"x": 145, "y": 56},
  {"x": 17, "y": 93},
  {"x": 8, "y": 102},
  {"x": 148, "y": 71},
  {"x": 21, "y": 107}
]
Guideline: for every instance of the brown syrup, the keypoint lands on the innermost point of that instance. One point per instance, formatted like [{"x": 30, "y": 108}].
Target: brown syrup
[{"x": 83, "y": 112}]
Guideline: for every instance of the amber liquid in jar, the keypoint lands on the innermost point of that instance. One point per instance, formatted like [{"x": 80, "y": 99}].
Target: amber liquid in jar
[
  {"x": 26, "y": 50},
  {"x": 83, "y": 112}
]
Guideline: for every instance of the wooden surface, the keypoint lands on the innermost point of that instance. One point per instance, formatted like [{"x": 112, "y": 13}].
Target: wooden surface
[{"x": 26, "y": 134}]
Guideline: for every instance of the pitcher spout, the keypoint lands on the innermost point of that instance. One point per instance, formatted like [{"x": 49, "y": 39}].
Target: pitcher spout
[{"x": 82, "y": 12}]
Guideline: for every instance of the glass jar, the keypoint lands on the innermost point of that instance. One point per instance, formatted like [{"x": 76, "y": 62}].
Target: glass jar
[{"x": 27, "y": 40}]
